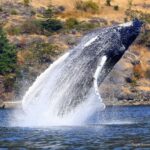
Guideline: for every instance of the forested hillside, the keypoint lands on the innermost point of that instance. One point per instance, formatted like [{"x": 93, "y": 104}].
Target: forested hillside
[{"x": 34, "y": 33}]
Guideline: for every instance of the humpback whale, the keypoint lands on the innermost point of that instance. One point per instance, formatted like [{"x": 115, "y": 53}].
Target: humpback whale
[{"x": 68, "y": 81}]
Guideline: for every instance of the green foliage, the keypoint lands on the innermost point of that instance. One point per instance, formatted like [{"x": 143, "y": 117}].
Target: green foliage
[
  {"x": 32, "y": 26},
  {"x": 9, "y": 80},
  {"x": 14, "y": 12},
  {"x": 41, "y": 26},
  {"x": 84, "y": 26},
  {"x": 1, "y": 9},
  {"x": 14, "y": 30},
  {"x": 137, "y": 75},
  {"x": 131, "y": 81},
  {"x": 33, "y": 12},
  {"x": 26, "y": 2},
  {"x": 71, "y": 23},
  {"x": 87, "y": 6},
  {"x": 108, "y": 2},
  {"x": 52, "y": 25},
  {"x": 116, "y": 7},
  {"x": 8, "y": 58},
  {"x": 147, "y": 74},
  {"x": 44, "y": 52},
  {"x": 49, "y": 13}
]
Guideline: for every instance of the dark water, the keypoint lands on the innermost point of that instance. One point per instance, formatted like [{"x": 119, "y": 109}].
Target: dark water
[{"x": 120, "y": 128}]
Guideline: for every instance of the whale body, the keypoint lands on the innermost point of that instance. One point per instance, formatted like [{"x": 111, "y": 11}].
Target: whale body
[{"x": 67, "y": 83}]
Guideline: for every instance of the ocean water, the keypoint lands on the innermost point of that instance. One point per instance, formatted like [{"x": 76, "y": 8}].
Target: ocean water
[{"x": 119, "y": 128}]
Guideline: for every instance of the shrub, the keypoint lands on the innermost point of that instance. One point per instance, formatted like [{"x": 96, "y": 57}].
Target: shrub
[
  {"x": 14, "y": 30},
  {"x": 137, "y": 75},
  {"x": 14, "y": 12},
  {"x": 71, "y": 23},
  {"x": 52, "y": 25},
  {"x": 33, "y": 12},
  {"x": 147, "y": 74},
  {"x": 84, "y": 26},
  {"x": 32, "y": 26},
  {"x": 8, "y": 58},
  {"x": 87, "y": 6},
  {"x": 26, "y": 2},
  {"x": 9, "y": 80},
  {"x": 116, "y": 7},
  {"x": 108, "y": 2},
  {"x": 133, "y": 82},
  {"x": 44, "y": 52},
  {"x": 48, "y": 12},
  {"x": 1, "y": 9}
]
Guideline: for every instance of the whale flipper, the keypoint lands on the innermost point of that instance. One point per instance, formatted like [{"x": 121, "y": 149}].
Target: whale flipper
[{"x": 96, "y": 78}]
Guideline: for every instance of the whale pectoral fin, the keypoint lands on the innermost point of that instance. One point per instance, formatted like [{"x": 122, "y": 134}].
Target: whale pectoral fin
[
  {"x": 96, "y": 91},
  {"x": 96, "y": 97}
]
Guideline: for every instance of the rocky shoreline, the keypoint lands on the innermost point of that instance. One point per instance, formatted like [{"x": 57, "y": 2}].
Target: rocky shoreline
[
  {"x": 10, "y": 105},
  {"x": 128, "y": 103},
  {"x": 17, "y": 104}
]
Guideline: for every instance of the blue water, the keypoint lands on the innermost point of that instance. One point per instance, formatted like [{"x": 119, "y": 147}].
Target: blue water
[{"x": 120, "y": 128}]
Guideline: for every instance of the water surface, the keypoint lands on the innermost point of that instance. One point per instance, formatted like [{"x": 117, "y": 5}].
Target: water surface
[{"x": 119, "y": 128}]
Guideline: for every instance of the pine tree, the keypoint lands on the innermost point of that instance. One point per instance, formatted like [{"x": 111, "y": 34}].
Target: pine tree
[{"x": 8, "y": 58}]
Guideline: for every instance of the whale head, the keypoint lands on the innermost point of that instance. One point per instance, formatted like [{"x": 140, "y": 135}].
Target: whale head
[
  {"x": 113, "y": 42},
  {"x": 129, "y": 31}
]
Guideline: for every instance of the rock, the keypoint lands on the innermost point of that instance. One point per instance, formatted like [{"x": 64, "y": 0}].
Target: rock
[
  {"x": 126, "y": 97},
  {"x": 59, "y": 9},
  {"x": 136, "y": 62},
  {"x": 41, "y": 10}
]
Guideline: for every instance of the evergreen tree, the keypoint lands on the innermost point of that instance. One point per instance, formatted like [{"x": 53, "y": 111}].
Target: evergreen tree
[{"x": 8, "y": 58}]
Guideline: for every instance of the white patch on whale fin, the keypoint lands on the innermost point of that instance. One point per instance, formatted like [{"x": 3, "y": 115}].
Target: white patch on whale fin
[{"x": 96, "y": 75}]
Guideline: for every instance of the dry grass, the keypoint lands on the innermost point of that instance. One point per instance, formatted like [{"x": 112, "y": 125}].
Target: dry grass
[
  {"x": 105, "y": 12},
  {"x": 144, "y": 88},
  {"x": 144, "y": 56}
]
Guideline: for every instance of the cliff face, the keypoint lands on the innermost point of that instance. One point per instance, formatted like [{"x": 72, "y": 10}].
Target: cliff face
[{"x": 41, "y": 31}]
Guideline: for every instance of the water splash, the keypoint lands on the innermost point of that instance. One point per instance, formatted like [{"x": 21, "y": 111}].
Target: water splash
[{"x": 43, "y": 111}]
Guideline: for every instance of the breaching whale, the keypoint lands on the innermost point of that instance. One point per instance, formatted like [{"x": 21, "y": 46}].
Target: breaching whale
[{"x": 68, "y": 81}]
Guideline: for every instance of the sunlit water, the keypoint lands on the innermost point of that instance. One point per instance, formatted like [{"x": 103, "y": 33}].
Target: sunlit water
[{"x": 119, "y": 128}]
